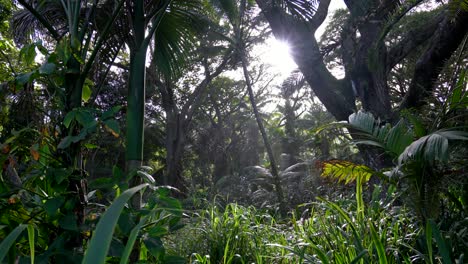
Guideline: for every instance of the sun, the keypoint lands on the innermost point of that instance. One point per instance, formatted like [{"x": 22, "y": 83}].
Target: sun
[{"x": 277, "y": 54}]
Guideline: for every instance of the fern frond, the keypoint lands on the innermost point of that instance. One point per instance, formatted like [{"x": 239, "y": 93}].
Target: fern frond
[{"x": 346, "y": 171}]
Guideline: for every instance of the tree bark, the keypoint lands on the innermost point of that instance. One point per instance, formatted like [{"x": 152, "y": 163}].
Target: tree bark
[
  {"x": 444, "y": 43},
  {"x": 366, "y": 57},
  {"x": 178, "y": 122},
  {"x": 336, "y": 95}
]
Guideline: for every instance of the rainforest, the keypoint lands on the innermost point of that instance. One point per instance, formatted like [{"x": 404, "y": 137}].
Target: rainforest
[{"x": 234, "y": 131}]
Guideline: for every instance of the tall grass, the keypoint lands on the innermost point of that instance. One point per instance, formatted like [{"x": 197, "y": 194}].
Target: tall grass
[
  {"x": 234, "y": 234},
  {"x": 344, "y": 231}
]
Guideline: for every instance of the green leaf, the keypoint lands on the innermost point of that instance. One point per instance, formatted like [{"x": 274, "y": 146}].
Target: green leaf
[
  {"x": 146, "y": 177},
  {"x": 86, "y": 93},
  {"x": 117, "y": 173},
  {"x": 116, "y": 248},
  {"x": 359, "y": 257},
  {"x": 28, "y": 53},
  {"x": 9, "y": 240},
  {"x": 113, "y": 126},
  {"x": 157, "y": 231},
  {"x": 429, "y": 241},
  {"x": 61, "y": 174},
  {"x": 85, "y": 118},
  {"x": 51, "y": 206},
  {"x": 346, "y": 171},
  {"x": 363, "y": 121},
  {"x": 69, "y": 118},
  {"x": 24, "y": 78},
  {"x": 90, "y": 146},
  {"x": 398, "y": 138},
  {"x": 65, "y": 142},
  {"x": 126, "y": 222},
  {"x": 63, "y": 50},
  {"x": 31, "y": 242},
  {"x": 458, "y": 94},
  {"x": 320, "y": 254},
  {"x": 102, "y": 237},
  {"x": 111, "y": 112},
  {"x": 131, "y": 240},
  {"x": 102, "y": 183},
  {"x": 47, "y": 68},
  {"x": 155, "y": 246},
  {"x": 68, "y": 222},
  {"x": 42, "y": 49},
  {"x": 378, "y": 245},
  {"x": 443, "y": 249},
  {"x": 453, "y": 134},
  {"x": 418, "y": 127}
]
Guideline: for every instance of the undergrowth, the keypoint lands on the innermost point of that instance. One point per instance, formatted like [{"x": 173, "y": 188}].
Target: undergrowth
[{"x": 321, "y": 232}]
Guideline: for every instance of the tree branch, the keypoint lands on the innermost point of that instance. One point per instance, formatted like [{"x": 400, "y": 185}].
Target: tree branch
[
  {"x": 306, "y": 53},
  {"x": 320, "y": 14},
  {"x": 41, "y": 19},
  {"x": 443, "y": 44},
  {"x": 411, "y": 40},
  {"x": 192, "y": 104}
]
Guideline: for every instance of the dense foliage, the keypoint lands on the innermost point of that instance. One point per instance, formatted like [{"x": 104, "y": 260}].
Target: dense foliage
[{"x": 138, "y": 131}]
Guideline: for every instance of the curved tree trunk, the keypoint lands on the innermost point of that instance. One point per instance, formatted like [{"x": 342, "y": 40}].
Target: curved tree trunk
[{"x": 366, "y": 58}]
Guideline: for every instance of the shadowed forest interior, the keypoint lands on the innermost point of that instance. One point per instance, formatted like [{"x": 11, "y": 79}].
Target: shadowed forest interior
[{"x": 234, "y": 131}]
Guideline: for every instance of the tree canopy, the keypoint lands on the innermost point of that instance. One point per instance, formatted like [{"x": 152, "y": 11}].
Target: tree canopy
[{"x": 152, "y": 131}]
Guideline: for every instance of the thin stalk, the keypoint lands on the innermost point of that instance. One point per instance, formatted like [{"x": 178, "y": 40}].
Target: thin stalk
[{"x": 266, "y": 142}]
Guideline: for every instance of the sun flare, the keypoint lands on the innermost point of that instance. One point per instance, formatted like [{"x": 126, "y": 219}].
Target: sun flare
[{"x": 277, "y": 54}]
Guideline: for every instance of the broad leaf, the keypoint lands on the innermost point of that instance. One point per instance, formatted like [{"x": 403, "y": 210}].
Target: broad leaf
[
  {"x": 102, "y": 237},
  {"x": 9, "y": 240},
  {"x": 47, "y": 68}
]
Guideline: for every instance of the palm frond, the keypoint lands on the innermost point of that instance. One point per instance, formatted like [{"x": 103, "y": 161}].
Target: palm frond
[
  {"x": 302, "y": 9},
  {"x": 432, "y": 148},
  {"x": 229, "y": 8},
  {"x": 392, "y": 139},
  {"x": 175, "y": 37},
  {"x": 24, "y": 23}
]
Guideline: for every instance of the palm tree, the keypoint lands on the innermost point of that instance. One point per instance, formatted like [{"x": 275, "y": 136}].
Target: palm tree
[
  {"x": 70, "y": 24},
  {"x": 165, "y": 23},
  {"x": 168, "y": 23},
  {"x": 236, "y": 13},
  {"x": 419, "y": 162}
]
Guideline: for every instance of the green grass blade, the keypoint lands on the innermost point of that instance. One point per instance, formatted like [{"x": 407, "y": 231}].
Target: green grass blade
[
  {"x": 131, "y": 241},
  {"x": 31, "y": 242},
  {"x": 378, "y": 245},
  {"x": 429, "y": 242},
  {"x": 320, "y": 254},
  {"x": 443, "y": 249},
  {"x": 359, "y": 257},
  {"x": 9, "y": 240},
  {"x": 359, "y": 198},
  {"x": 102, "y": 237}
]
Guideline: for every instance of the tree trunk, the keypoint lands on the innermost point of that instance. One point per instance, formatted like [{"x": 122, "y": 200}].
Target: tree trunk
[
  {"x": 366, "y": 57},
  {"x": 290, "y": 142},
  {"x": 175, "y": 145},
  {"x": 136, "y": 109},
  {"x": 266, "y": 142}
]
